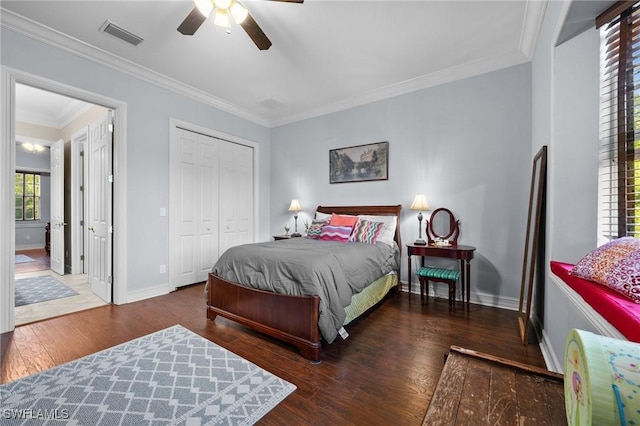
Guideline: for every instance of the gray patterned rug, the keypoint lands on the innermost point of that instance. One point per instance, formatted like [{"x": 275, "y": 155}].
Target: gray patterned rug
[
  {"x": 172, "y": 377},
  {"x": 23, "y": 258},
  {"x": 40, "y": 289}
]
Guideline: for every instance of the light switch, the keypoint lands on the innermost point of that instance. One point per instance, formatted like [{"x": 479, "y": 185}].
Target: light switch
[{"x": 163, "y": 211}]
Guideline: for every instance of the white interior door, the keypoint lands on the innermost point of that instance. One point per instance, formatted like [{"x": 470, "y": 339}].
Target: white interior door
[
  {"x": 194, "y": 169},
  {"x": 99, "y": 217},
  {"x": 57, "y": 207}
]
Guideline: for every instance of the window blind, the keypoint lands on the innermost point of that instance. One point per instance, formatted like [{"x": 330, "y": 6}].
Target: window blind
[{"x": 619, "y": 153}]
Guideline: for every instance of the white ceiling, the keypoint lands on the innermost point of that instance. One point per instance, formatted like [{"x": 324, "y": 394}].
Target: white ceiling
[
  {"x": 47, "y": 109},
  {"x": 327, "y": 55}
]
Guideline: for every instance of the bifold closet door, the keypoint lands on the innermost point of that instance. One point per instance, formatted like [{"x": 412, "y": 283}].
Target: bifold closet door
[
  {"x": 194, "y": 240},
  {"x": 236, "y": 195}
]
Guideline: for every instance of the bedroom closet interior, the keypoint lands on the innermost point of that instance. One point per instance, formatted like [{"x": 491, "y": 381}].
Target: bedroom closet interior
[{"x": 211, "y": 202}]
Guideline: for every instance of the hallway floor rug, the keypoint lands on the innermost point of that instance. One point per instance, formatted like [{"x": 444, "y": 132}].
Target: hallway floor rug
[
  {"x": 23, "y": 258},
  {"x": 172, "y": 376},
  {"x": 40, "y": 289}
]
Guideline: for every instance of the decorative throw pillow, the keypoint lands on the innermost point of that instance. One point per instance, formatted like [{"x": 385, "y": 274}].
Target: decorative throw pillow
[
  {"x": 335, "y": 233},
  {"x": 366, "y": 231},
  {"x": 315, "y": 229},
  {"x": 615, "y": 264},
  {"x": 388, "y": 233},
  {"x": 343, "y": 220}
]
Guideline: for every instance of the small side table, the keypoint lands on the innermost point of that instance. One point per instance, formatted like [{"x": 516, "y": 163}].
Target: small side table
[
  {"x": 282, "y": 237},
  {"x": 460, "y": 252}
]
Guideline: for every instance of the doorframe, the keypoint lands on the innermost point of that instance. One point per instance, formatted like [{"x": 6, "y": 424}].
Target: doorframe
[
  {"x": 174, "y": 125},
  {"x": 78, "y": 199},
  {"x": 9, "y": 78}
]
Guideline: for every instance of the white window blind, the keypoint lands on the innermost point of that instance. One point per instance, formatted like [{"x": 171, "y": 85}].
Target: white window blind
[{"x": 619, "y": 156}]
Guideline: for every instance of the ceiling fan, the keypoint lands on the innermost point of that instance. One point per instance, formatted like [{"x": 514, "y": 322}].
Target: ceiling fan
[{"x": 225, "y": 11}]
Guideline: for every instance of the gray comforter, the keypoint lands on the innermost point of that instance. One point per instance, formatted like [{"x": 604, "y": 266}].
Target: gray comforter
[{"x": 304, "y": 267}]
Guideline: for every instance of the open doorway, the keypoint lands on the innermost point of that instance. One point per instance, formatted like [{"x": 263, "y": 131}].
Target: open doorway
[{"x": 52, "y": 240}]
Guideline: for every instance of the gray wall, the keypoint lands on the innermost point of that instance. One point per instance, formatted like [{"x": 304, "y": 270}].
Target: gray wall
[
  {"x": 30, "y": 234},
  {"x": 149, "y": 109},
  {"x": 565, "y": 82},
  {"x": 465, "y": 145}
]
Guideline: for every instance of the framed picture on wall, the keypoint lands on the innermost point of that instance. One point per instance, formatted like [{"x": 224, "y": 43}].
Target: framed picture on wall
[{"x": 359, "y": 163}]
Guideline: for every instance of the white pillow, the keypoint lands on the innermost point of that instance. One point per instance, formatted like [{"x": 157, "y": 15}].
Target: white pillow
[
  {"x": 388, "y": 233},
  {"x": 322, "y": 216}
]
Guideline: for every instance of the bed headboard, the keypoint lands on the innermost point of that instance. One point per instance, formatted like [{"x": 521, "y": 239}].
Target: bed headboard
[{"x": 393, "y": 210}]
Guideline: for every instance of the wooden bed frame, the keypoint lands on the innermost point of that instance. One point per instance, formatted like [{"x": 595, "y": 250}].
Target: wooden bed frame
[{"x": 292, "y": 319}]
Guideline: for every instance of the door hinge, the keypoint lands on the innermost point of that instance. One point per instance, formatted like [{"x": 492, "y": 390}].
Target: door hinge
[
  {"x": 110, "y": 279},
  {"x": 110, "y": 229},
  {"x": 81, "y": 153},
  {"x": 110, "y": 178},
  {"x": 81, "y": 188},
  {"x": 82, "y": 257},
  {"x": 82, "y": 223}
]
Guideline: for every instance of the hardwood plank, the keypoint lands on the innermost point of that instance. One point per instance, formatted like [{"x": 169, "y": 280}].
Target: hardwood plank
[
  {"x": 384, "y": 373},
  {"x": 557, "y": 412},
  {"x": 448, "y": 392},
  {"x": 531, "y": 397},
  {"x": 474, "y": 401},
  {"x": 502, "y": 398}
]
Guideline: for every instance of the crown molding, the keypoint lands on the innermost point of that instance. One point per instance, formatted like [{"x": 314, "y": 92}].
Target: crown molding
[
  {"x": 532, "y": 22},
  {"x": 57, "y": 39},
  {"x": 438, "y": 78}
]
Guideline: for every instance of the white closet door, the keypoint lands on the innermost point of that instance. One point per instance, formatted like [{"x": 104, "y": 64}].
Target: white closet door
[
  {"x": 194, "y": 207},
  {"x": 207, "y": 202},
  {"x": 236, "y": 195}
]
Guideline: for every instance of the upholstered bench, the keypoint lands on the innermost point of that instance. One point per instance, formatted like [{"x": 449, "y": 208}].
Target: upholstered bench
[{"x": 447, "y": 276}]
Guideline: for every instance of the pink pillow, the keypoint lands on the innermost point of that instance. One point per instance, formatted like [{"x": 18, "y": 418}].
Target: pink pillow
[
  {"x": 335, "y": 233},
  {"x": 343, "y": 220},
  {"x": 615, "y": 264}
]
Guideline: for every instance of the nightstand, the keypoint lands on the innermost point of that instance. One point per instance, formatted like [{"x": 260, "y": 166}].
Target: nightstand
[{"x": 281, "y": 237}]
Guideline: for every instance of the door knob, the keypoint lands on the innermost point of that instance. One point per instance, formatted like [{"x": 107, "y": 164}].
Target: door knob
[{"x": 90, "y": 228}]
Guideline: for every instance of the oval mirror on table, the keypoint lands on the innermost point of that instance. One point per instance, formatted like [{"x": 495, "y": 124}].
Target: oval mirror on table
[{"x": 443, "y": 228}]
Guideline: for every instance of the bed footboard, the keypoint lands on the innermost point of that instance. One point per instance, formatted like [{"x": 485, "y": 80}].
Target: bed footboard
[{"x": 292, "y": 319}]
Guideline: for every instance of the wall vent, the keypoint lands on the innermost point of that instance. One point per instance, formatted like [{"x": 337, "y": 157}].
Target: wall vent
[{"x": 119, "y": 32}]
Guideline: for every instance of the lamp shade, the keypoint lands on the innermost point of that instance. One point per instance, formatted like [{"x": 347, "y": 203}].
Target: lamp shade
[
  {"x": 419, "y": 203},
  {"x": 295, "y": 206}
]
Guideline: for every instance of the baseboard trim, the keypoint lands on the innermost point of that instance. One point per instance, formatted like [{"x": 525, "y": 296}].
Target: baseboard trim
[
  {"x": 135, "y": 296},
  {"x": 30, "y": 247}
]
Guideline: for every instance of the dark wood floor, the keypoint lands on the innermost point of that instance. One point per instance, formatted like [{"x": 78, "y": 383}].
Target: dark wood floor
[
  {"x": 384, "y": 373},
  {"x": 41, "y": 261}
]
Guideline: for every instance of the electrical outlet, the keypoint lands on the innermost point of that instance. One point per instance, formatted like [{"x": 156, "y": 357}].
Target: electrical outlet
[{"x": 163, "y": 269}]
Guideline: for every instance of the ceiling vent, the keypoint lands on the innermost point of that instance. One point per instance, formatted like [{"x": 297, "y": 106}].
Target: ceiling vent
[{"x": 119, "y": 32}]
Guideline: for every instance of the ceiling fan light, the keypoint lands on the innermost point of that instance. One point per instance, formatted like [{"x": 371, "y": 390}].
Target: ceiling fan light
[
  {"x": 239, "y": 12},
  {"x": 204, "y": 6},
  {"x": 222, "y": 4},
  {"x": 222, "y": 18}
]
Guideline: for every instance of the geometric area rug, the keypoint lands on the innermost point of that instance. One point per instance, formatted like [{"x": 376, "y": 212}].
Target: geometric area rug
[
  {"x": 172, "y": 376},
  {"x": 39, "y": 289}
]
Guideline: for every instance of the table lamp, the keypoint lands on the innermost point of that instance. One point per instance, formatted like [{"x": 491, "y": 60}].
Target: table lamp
[
  {"x": 419, "y": 204},
  {"x": 295, "y": 208}
]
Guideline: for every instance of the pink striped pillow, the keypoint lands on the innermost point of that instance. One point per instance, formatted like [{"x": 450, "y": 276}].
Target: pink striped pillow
[
  {"x": 366, "y": 231},
  {"x": 335, "y": 233}
]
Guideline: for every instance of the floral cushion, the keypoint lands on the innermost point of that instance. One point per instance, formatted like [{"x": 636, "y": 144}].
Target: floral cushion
[
  {"x": 615, "y": 264},
  {"x": 366, "y": 231},
  {"x": 315, "y": 229},
  {"x": 335, "y": 233}
]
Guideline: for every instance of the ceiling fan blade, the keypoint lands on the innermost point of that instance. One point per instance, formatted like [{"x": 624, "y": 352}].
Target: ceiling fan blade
[
  {"x": 192, "y": 22},
  {"x": 255, "y": 33}
]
